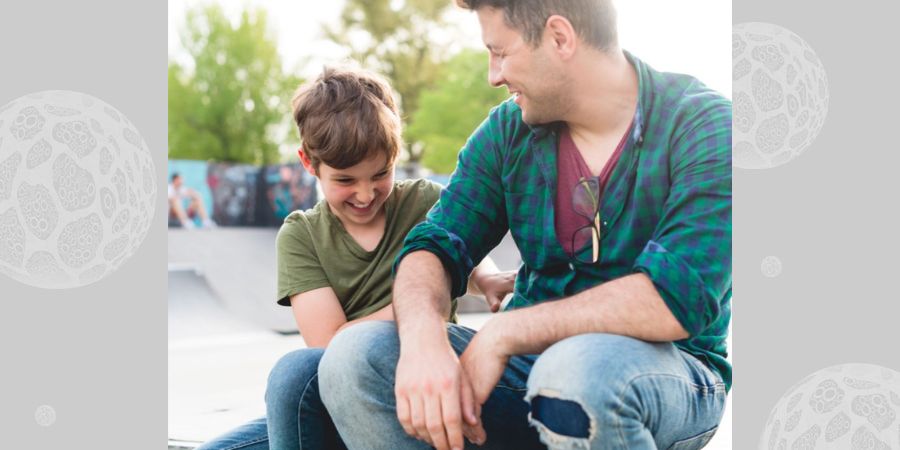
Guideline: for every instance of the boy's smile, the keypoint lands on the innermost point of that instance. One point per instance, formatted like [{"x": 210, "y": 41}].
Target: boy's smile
[{"x": 356, "y": 195}]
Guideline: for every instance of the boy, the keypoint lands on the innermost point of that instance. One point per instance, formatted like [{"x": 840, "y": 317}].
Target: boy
[{"x": 334, "y": 260}]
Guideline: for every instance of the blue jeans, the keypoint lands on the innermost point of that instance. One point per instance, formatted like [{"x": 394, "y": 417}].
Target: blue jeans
[
  {"x": 593, "y": 391},
  {"x": 296, "y": 417}
]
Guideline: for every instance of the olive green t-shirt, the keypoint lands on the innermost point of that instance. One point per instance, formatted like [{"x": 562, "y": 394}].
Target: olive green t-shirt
[{"x": 315, "y": 251}]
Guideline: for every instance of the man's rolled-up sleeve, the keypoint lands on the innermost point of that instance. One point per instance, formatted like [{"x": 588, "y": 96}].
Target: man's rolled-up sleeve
[
  {"x": 689, "y": 257},
  {"x": 469, "y": 219}
]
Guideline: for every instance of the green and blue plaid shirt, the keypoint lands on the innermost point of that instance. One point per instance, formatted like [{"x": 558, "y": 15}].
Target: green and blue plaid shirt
[{"x": 666, "y": 211}]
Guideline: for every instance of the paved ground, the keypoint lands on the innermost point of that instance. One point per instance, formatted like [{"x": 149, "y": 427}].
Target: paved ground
[{"x": 225, "y": 331}]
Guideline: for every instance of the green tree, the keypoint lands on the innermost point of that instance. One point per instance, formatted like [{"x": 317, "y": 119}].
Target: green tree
[
  {"x": 397, "y": 39},
  {"x": 450, "y": 112},
  {"x": 229, "y": 105}
]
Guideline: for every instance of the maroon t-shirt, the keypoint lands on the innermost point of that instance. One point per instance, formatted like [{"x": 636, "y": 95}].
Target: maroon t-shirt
[{"x": 571, "y": 168}]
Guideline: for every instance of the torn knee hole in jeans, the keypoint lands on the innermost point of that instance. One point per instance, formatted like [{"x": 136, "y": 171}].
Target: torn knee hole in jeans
[{"x": 561, "y": 421}]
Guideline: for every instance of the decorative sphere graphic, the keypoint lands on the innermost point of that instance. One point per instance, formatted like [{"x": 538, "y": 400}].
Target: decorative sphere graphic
[
  {"x": 771, "y": 266},
  {"x": 77, "y": 189},
  {"x": 850, "y": 406},
  {"x": 780, "y": 95},
  {"x": 45, "y": 415}
]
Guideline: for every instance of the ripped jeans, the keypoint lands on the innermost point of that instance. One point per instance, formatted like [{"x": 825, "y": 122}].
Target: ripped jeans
[{"x": 593, "y": 391}]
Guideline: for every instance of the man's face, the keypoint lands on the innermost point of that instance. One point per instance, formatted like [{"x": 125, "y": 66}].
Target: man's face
[
  {"x": 176, "y": 182},
  {"x": 356, "y": 195},
  {"x": 533, "y": 75}
]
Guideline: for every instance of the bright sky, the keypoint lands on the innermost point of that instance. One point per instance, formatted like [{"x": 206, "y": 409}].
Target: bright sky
[{"x": 690, "y": 36}]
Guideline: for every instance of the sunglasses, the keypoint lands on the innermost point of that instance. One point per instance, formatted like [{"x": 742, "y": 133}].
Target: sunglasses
[{"x": 586, "y": 203}]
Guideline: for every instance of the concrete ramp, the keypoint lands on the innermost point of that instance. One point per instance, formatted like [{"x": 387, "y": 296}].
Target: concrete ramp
[
  {"x": 196, "y": 311},
  {"x": 238, "y": 266}
]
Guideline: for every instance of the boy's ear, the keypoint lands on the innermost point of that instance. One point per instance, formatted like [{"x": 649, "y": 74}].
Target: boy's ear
[{"x": 307, "y": 164}]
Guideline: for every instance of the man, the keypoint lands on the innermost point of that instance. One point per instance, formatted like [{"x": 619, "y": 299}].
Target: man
[
  {"x": 615, "y": 181},
  {"x": 179, "y": 194}
]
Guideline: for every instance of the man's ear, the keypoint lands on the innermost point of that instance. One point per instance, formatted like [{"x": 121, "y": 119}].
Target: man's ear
[
  {"x": 307, "y": 164},
  {"x": 561, "y": 35}
]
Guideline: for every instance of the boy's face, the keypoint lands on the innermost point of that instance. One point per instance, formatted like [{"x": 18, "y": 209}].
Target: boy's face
[{"x": 356, "y": 195}]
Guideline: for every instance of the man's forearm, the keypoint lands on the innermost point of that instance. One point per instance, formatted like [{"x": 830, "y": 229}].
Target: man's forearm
[
  {"x": 627, "y": 306},
  {"x": 421, "y": 295}
]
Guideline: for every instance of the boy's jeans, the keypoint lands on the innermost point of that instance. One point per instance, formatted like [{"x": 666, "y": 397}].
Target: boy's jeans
[
  {"x": 297, "y": 418},
  {"x": 593, "y": 391}
]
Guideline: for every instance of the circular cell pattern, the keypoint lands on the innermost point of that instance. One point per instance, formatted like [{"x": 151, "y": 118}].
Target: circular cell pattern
[
  {"x": 770, "y": 266},
  {"x": 780, "y": 93},
  {"x": 841, "y": 407},
  {"x": 77, "y": 189},
  {"x": 45, "y": 415}
]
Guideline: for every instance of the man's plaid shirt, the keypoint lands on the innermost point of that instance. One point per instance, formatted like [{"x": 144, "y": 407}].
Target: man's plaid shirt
[{"x": 666, "y": 211}]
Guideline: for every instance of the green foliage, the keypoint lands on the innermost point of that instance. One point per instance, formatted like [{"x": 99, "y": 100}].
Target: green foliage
[
  {"x": 228, "y": 106},
  {"x": 397, "y": 39},
  {"x": 450, "y": 112}
]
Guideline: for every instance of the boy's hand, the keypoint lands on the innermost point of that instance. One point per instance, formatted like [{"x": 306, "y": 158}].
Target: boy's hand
[{"x": 495, "y": 287}]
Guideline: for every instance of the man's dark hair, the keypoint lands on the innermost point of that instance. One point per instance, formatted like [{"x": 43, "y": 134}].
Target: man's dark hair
[
  {"x": 175, "y": 175},
  {"x": 593, "y": 20}
]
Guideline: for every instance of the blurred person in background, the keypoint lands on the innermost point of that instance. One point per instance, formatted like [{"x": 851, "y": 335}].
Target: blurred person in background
[{"x": 185, "y": 204}]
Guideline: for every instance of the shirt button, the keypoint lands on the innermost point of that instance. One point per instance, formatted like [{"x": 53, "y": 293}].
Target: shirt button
[{"x": 571, "y": 266}]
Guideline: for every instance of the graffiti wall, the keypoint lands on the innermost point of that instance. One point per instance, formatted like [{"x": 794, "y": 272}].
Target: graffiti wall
[{"x": 247, "y": 195}]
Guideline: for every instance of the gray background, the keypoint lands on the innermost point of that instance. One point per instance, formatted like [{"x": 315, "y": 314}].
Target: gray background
[
  {"x": 830, "y": 216},
  {"x": 96, "y": 354}
]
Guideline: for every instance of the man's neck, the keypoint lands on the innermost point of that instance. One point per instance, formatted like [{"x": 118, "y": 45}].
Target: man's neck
[{"x": 607, "y": 87}]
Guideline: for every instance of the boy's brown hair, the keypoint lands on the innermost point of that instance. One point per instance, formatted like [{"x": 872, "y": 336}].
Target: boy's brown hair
[
  {"x": 593, "y": 20},
  {"x": 345, "y": 116}
]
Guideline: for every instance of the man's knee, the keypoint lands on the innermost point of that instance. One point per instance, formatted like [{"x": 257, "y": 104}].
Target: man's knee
[
  {"x": 579, "y": 377},
  {"x": 595, "y": 360},
  {"x": 356, "y": 358}
]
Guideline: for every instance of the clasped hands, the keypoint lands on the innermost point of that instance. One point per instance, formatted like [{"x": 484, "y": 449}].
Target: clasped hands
[{"x": 439, "y": 395}]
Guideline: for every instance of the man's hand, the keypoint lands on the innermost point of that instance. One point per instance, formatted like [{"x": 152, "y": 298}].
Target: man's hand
[
  {"x": 433, "y": 395},
  {"x": 495, "y": 286},
  {"x": 483, "y": 364}
]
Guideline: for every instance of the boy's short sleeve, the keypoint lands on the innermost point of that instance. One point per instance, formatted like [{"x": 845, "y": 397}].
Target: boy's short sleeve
[
  {"x": 432, "y": 193},
  {"x": 299, "y": 269}
]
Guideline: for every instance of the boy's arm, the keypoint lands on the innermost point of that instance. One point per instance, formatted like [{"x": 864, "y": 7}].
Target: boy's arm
[{"x": 319, "y": 316}]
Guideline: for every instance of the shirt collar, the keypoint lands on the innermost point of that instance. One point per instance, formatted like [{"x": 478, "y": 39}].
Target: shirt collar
[{"x": 645, "y": 98}]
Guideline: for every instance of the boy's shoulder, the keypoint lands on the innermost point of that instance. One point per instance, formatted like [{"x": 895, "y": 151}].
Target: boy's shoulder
[
  {"x": 417, "y": 190},
  {"x": 415, "y": 185},
  {"x": 302, "y": 224}
]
